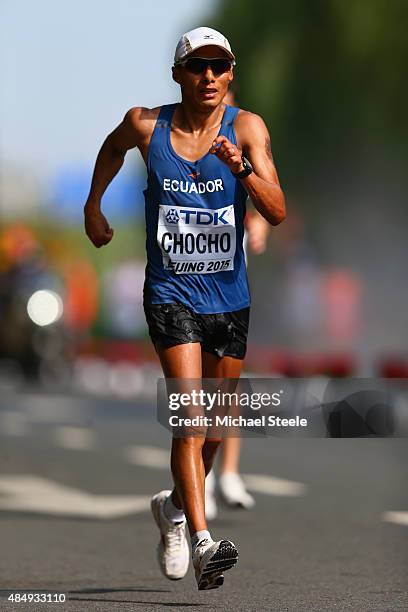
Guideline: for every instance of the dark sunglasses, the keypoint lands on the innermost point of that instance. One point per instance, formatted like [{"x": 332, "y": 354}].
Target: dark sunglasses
[{"x": 198, "y": 65}]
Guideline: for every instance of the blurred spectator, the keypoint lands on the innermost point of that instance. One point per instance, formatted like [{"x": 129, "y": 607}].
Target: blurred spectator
[
  {"x": 24, "y": 345},
  {"x": 81, "y": 296},
  {"x": 123, "y": 300},
  {"x": 301, "y": 304},
  {"x": 342, "y": 305}
]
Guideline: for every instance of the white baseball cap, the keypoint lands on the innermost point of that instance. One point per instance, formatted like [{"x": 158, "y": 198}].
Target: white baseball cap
[{"x": 201, "y": 37}]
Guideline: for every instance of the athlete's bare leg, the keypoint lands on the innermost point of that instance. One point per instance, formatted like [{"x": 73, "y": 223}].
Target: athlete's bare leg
[
  {"x": 233, "y": 492},
  {"x": 230, "y": 452},
  {"x": 192, "y": 457},
  {"x": 216, "y": 367},
  {"x": 184, "y": 361}
]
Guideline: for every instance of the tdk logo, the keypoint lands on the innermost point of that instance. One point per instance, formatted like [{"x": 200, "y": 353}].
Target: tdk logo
[
  {"x": 197, "y": 217},
  {"x": 172, "y": 216}
]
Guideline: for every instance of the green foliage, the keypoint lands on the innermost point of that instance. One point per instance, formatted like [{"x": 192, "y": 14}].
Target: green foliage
[
  {"x": 63, "y": 243},
  {"x": 328, "y": 77}
]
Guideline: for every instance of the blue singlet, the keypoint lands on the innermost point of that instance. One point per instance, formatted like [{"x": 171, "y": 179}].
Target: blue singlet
[{"x": 194, "y": 225}]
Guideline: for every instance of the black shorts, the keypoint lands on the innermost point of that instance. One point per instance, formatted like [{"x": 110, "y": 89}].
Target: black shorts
[{"x": 221, "y": 334}]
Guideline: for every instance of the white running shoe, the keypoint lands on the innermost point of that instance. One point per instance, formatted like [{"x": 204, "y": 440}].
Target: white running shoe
[
  {"x": 210, "y": 501},
  {"x": 211, "y": 560},
  {"x": 233, "y": 491},
  {"x": 173, "y": 551}
]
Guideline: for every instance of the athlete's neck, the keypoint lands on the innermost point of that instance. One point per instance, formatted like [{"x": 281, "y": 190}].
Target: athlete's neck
[{"x": 197, "y": 121}]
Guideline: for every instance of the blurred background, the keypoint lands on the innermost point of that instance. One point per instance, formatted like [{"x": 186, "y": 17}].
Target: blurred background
[
  {"x": 329, "y": 293},
  {"x": 79, "y": 437}
]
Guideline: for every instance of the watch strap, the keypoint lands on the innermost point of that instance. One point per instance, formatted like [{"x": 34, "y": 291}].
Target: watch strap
[{"x": 246, "y": 171}]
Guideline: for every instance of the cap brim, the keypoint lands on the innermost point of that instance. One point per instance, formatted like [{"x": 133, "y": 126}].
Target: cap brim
[{"x": 230, "y": 54}]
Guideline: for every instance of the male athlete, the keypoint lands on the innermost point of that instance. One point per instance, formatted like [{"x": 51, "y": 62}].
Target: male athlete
[{"x": 203, "y": 159}]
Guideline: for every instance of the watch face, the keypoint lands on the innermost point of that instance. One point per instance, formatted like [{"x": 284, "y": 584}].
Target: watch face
[
  {"x": 246, "y": 164},
  {"x": 247, "y": 169}
]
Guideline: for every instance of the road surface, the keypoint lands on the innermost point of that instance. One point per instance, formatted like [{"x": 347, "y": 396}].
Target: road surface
[{"x": 329, "y": 531}]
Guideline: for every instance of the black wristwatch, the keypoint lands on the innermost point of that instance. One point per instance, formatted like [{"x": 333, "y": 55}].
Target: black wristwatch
[{"x": 246, "y": 171}]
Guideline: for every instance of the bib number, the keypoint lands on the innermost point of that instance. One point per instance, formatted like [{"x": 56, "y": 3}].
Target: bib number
[{"x": 197, "y": 240}]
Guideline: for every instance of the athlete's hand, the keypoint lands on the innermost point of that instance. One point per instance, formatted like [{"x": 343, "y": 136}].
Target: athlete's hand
[
  {"x": 97, "y": 227},
  {"x": 227, "y": 153}
]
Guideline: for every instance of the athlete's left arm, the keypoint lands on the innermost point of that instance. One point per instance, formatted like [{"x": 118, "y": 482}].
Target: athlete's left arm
[{"x": 263, "y": 184}]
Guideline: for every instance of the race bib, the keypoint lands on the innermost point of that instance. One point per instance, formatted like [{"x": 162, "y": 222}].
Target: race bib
[{"x": 197, "y": 240}]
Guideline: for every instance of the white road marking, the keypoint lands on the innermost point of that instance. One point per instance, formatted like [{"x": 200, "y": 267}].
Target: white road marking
[
  {"x": 270, "y": 485},
  {"x": 13, "y": 423},
  {"x": 159, "y": 458},
  {"x": 75, "y": 438},
  {"x": 399, "y": 518},
  {"x": 148, "y": 456},
  {"x": 26, "y": 493}
]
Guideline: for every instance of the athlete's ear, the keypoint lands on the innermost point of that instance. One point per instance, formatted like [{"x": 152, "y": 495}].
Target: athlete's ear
[{"x": 175, "y": 73}]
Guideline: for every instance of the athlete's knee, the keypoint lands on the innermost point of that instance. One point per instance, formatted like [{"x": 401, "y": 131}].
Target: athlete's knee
[{"x": 188, "y": 443}]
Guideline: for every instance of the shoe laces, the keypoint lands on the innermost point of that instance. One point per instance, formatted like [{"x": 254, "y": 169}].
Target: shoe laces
[
  {"x": 175, "y": 537},
  {"x": 201, "y": 546}
]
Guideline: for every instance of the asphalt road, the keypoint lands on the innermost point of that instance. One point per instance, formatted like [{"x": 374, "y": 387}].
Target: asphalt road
[{"x": 76, "y": 475}]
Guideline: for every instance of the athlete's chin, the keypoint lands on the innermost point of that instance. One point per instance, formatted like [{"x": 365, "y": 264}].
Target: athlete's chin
[{"x": 210, "y": 102}]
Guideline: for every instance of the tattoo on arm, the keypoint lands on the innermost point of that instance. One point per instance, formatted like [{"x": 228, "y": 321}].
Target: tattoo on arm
[{"x": 268, "y": 149}]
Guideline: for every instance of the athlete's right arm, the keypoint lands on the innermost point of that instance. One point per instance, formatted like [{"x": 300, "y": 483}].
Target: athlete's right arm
[{"x": 132, "y": 132}]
